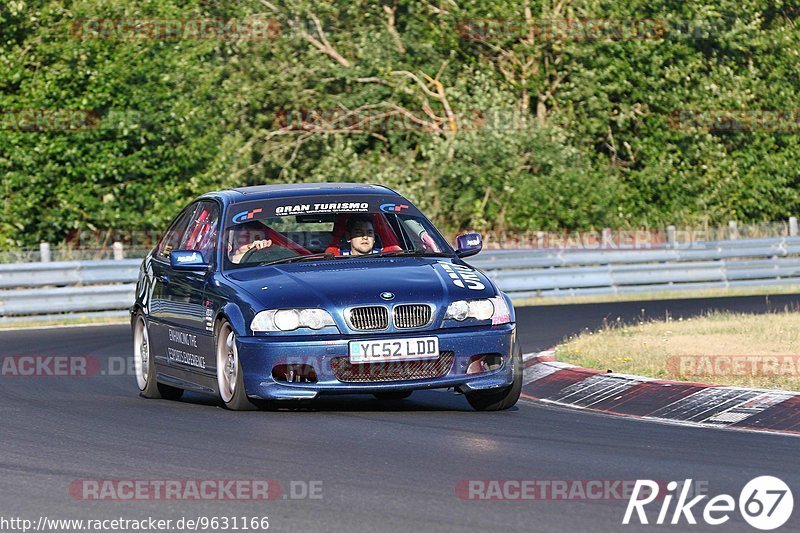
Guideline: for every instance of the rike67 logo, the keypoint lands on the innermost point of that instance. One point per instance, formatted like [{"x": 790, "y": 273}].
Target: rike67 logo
[{"x": 765, "y": 503}]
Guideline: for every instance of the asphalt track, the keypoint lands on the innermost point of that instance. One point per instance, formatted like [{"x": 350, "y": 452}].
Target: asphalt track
[{"x": 384, "y": 466}]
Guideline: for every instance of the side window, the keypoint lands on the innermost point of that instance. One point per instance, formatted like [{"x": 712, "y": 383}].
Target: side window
[
  {"x": 420, "y": 238},
  {"x": 172, "y": 238},
  {"x": 201, "y": 233}
]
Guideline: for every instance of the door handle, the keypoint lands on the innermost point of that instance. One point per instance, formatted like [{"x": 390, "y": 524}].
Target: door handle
[{"x": 163, "y": 278}]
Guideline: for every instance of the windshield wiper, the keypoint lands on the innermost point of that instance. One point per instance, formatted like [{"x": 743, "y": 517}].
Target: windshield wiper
[
  {"x": 298, "y": 258},
  {"x": 328, "y": 255},
  {"x": 413, "y": 253}
]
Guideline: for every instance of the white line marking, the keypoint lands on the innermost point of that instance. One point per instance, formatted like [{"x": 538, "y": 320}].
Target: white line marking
[
  {"x": 739, "y": 412},
  {"x": 748, "y": 408},
  {"x": 665, "y": 421}
]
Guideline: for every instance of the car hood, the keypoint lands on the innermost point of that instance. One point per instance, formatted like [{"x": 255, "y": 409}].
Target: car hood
[{"x": 347, "y": 282}]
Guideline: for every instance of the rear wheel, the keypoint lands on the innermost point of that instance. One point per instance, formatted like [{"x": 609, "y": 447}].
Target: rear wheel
[
  {"x": 394, "y": 395},
  {"x": 497, "y": 400},
  {"x": 230, "y": 380}
]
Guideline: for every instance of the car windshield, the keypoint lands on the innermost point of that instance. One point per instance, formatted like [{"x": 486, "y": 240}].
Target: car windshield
[{"x": 251, "y": 239}]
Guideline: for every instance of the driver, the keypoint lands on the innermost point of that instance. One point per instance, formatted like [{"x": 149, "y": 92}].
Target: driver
[
  {"x": 252, "y": 234},
  {"x": 360, "y": 235}
]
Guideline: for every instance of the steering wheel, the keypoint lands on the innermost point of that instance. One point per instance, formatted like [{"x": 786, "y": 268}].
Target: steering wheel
[{"x": 272, "y": 253}]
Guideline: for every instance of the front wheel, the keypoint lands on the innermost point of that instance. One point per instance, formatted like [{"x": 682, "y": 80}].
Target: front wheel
[
  {"x": 230, "y": 380},
  {"x": 143, "y": 362},
  {"x": 498, "y": 400},
  {"x": 146, "y": 377}
]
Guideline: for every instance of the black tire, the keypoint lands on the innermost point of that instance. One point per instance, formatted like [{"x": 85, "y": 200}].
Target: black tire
[
  {"x": 146, "y": 376},
  {"x": 498, "y": 400},
  {"x": 230, "y": 381},
  {"x": 394, "y": 395}
]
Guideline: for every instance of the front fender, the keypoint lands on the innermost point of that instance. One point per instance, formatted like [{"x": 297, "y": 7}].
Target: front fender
[{"x": 234, "y": 315}]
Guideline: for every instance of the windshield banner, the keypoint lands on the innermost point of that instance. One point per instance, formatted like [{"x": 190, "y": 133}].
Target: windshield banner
[{"x": 318, "y": 205}]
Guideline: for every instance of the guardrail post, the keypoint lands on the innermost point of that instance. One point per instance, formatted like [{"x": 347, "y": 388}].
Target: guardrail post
[
  {"x": 671, "y": 236},
  {"x": 608, "y": 239},
  {"x": 733, "y": 230},
  {"x": 44, "y": 252},
  {"x": 119, "y": 251},
  {"x": 792, "y": 226}
]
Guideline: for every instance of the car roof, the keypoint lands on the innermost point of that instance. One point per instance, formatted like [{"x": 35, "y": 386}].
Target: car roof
[{"x": 288, "y": 190}]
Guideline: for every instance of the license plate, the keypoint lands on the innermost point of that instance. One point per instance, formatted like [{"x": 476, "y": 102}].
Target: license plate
[{"x": 394, "y": 350}]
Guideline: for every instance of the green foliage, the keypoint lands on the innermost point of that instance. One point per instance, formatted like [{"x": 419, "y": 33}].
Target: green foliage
[{"x": 508, "y": 132}]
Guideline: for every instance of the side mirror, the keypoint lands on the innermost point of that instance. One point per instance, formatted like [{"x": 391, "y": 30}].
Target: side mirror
[
  {"x": 468, "y": 244},
  {"x": 187, "y": 260}
]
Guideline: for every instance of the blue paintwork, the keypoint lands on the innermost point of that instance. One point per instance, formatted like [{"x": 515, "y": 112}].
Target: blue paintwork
[{"x": 193, "y": 303}]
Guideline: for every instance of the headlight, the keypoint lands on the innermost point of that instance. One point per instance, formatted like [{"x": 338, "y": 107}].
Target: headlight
[
  {"x": 484, "y": 309},
  {"x": 291, "y": 319},
  {"x": 458, "y": 310},
  {"x": 286, "y": 319},
  {"x": 481, "y": 309}
]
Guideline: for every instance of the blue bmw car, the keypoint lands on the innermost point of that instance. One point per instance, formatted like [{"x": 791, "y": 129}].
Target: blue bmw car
[{"x": 275, "y": 293}]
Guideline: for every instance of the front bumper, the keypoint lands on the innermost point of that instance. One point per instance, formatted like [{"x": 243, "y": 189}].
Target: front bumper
[{"x": 259, "y": 355}]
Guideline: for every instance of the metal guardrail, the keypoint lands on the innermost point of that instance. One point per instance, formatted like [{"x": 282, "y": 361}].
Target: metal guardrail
[
  {"x": 68, "y": 273},
  {"x": 48, "y": 290},
  {"x": 747, "y": 262},
  {"x": 107, "y": 287}
]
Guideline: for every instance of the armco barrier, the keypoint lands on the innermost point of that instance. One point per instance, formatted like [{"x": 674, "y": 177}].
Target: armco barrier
[
  {"x": 68, "y": 273},
  {"x": 701, "y": 265},
  {"x": 107, "y": 287},
  {"x": 48, "y": 290}
]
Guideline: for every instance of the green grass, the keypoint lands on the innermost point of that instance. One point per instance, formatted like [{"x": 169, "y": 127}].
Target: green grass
[{"x": 761, "y": 351}]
